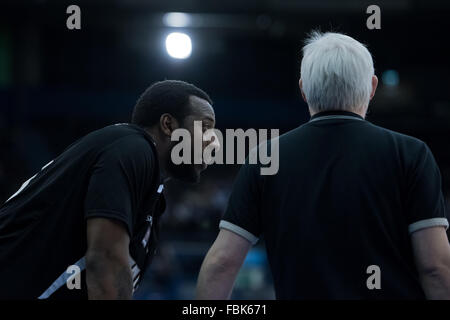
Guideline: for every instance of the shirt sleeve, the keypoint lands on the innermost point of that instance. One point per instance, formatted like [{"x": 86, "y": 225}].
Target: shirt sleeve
[
  {"x": 425, "y": 205},
  {"x": 118, "y": 181},
  {"x": 242, "y": 215}
]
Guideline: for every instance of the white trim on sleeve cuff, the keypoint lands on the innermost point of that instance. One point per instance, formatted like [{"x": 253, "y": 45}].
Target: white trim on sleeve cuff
[
  {"x": 427, "y": 223},
  {"x": 239, "y": 231}
]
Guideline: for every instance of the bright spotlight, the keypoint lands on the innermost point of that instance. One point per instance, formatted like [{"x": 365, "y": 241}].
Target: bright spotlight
[
  {"x": 177, "y": 19},
  {"x": 178, "y": 45}
]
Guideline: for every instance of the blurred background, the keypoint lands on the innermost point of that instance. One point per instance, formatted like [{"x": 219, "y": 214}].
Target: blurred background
[{"x": 56, "y": 85}]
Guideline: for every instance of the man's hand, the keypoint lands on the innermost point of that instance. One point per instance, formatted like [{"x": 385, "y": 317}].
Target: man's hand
[
  {"x": 108, "y": 272},
  {"x": 221, "y": 266}
]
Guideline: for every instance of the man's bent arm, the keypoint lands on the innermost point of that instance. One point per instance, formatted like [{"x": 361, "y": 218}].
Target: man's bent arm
[
  {"x": 432, "y": 255},
  {"x": 108, "y": 272},
  {"x": 221, "y": 266}
]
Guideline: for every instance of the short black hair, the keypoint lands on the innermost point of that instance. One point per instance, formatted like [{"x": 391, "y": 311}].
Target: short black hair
[{"x": 168, "y": 96}]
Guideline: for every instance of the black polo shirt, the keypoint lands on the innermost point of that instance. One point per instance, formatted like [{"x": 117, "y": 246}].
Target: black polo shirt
[
  {"x": 347, "y": 196},
  {"x": 111, "y": 173}
]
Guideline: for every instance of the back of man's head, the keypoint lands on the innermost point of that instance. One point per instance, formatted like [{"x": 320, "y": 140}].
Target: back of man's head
[
  {"x": 168, "y": 96},
  {"x": 336, "y": 73}
]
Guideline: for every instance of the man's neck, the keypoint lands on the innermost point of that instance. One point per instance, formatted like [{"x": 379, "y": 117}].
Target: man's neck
[
  {"x": 161, "y": 153},
  {"x": 361, "y": 112}
]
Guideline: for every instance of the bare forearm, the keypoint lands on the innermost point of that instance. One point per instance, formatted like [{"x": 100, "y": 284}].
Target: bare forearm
[
  {"x": 437, "y": 285},
  {"x": 216, "y": 280},
  {"x": 108, "y": 279}
]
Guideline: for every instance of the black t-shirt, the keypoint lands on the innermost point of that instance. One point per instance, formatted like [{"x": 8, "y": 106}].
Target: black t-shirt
[
  {"x": 347, "y": 195},
  {"x": 111, "y": 173}
]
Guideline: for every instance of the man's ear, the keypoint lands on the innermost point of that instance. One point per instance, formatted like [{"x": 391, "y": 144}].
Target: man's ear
[
  {"x": 374, "y": 86},
  {"x": 300, "y": 83},
  {"x": 168, "y": 124}
]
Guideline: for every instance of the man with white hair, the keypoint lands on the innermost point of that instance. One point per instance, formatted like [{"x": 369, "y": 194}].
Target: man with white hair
[{"x": 356, "y": 211}]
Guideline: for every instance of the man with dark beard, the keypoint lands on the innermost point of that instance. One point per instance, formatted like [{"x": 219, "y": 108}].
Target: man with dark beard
[{"x": 86, "y": 225}]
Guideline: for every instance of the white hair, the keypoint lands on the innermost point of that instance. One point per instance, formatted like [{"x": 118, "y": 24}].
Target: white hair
[{"x": 336, "y": 72}]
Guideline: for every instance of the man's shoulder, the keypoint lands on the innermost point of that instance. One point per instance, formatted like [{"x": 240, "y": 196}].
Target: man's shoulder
[
  {"x": 113, "y": 141},
  {"x": 120, "y": 130},
  {"x": 365, "y": 127},
  {"x": 126, "y": 145},
  {"x": 369, "y": 133},
  {"x": 125, "y": 134},
  {"x": 400, "y": 139},
  {"x": 128, "y": 139}
]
